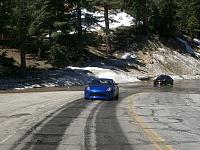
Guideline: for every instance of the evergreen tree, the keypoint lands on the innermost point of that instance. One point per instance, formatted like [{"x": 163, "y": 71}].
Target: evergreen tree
[
  {"x": 76, "y": 11},
  {"x": 22, "y": 20},
  {"x": 193, "y": 26},
  {"x": 154, "y": 18},
  {"x": 141, "y": 10},
  {"x": 107, "y": 5},
  {"x": 168, "y": 10},
  {"x": 78, "y": 5},
  {"x": 188, "y": 16},
  {"x": 55, "y": 19},
  {"x": 6, "y": 14},
  {"x": 48, "y": 17},
  {"x": 49, "y": 21},
  {"x": 185, "y": 11},
  {"x": 197, "y": 14}
]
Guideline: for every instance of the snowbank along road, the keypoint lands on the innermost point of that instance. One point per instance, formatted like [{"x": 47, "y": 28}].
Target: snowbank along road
[{"x": 144, "y": 118}]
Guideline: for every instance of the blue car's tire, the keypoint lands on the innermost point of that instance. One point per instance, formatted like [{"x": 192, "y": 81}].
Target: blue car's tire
[
  {"x": 86, "y": 98},
  {"x": 117, "y": 97}
]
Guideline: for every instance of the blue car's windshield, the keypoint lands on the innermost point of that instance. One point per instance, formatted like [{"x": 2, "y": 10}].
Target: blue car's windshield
[{"x": 102, "y": 82}]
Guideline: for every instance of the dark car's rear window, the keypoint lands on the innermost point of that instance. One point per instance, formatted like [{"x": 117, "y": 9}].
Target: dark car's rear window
[{"x": 164, "y": 77}]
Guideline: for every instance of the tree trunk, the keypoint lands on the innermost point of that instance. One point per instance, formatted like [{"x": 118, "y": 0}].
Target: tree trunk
[
  {"x": 107, "y": 29},
  {"x": 145, "y": 21},
  {"x": 79, "y": 21},
  {"x": 22, "y": 36},
  {"x": 23, "y": 60},
  {"x": 39, "y": 53},
  {"x": 22, "y": 50}
]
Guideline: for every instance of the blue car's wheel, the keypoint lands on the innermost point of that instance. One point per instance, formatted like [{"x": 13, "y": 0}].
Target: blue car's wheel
[{"x": 116, "y": 97}]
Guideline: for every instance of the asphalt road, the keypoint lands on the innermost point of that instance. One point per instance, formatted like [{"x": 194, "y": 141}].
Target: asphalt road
[{"x": 144, "y": 118}]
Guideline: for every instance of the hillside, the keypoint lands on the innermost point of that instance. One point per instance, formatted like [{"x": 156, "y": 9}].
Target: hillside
[
  {"x": 123, "y": 66},
  {"x": 134, "y": 57}
]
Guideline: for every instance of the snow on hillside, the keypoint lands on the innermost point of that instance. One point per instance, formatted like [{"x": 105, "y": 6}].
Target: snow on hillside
[
  {"x": 189, "y": 49},
  {"x": 197, "y": 41},
  {"x": 70, "y": 76},
  {"x": 163, "y": 61},
  {"x": 117, "y": 19},
  {"x": 166, "y": 61},
  {"x": 128, "y": 56},
  {"x": 118, "y": 76}
]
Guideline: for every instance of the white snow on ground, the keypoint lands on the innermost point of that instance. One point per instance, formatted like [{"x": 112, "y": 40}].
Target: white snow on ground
[
  {"x": 117, "y": 76},
  {"x": 117, "y": 19},
  {"x": 121, "y": 19},
  {"x": 128, "y": 56},
  {"x": 164, "y": 61},
  {"x": 189, "y": 49},
  {"x": 70, "y": 76},
  {"x": 197, "y": 41},
  {"x": 176, "y": 77}
]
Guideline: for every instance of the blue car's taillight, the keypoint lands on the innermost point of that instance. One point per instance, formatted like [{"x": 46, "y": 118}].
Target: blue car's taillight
[{"x": 88, "y": 88}]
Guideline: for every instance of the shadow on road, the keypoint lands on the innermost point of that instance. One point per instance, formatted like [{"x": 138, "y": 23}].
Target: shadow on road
[
  {"x": 48, "y": 133},
  {"x": 108, "y": 131}
]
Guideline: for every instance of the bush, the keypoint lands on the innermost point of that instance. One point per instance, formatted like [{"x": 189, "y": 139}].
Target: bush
[
  {"x": 57, "y": 56},
  {"x": 65, "y": 54},
  {"x": 7, "y": 65}
]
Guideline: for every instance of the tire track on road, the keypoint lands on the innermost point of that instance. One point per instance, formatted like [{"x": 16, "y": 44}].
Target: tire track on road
[
  {"x": 52, "y": 127},
  {"x": 89, "y": 125},
  {"x": 109, "y": 134}
]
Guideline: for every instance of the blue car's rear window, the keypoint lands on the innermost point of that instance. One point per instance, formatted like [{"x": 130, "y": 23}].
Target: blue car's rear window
[{"x": 102, "y": 81}]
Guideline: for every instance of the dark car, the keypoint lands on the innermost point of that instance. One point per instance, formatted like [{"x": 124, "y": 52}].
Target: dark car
[
  {"x": 102, "y": 89},
  {"x": 163, "y": 80}
]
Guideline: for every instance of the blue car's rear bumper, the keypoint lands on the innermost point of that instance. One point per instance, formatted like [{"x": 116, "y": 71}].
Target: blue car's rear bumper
[{"x": 99, "y": 95}]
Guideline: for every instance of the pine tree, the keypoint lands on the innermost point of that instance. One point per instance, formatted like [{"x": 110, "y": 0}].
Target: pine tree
[
  {"x": 184, "y": 12},
  {"x": 107, "y": 5},
  {"x": 193, "y": 26},
  {"x": 197, "y": 13},
  {"x": 78, "y": 5},
  {"x": 168, "y": 11},
  {"x": 22, "y": 20},
  {"x": 188, "y": 16},
  {"x": 154, "y": 18},
  {"x": 140, "y": 9},
  {"x": 48, "y": 19},
  {"x": 6, "y": 14}
]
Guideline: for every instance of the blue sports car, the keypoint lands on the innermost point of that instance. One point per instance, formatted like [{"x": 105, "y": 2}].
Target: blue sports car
[{"x": 102, "y": 89}]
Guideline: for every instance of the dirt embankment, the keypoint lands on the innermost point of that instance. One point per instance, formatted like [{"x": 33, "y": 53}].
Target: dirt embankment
[{"x": 167, "y": 61}]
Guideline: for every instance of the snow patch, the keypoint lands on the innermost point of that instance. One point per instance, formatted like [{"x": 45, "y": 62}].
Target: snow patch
[
  {"x": 197, "y": 41},
  {"x": 189, "y": 49},
  {"x": 117, "y": 19},
  {"x": 117, "y": 76},
  {"x": 171, "y": 62},
  {"x": 128, "y": 56}
]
